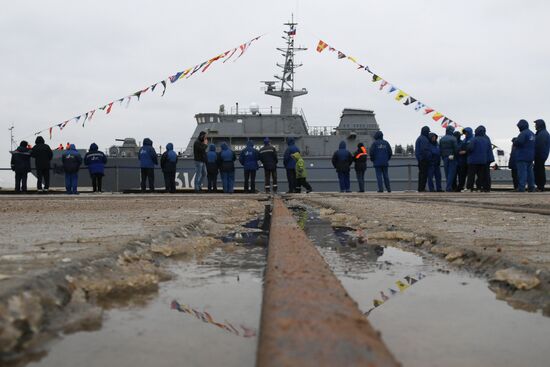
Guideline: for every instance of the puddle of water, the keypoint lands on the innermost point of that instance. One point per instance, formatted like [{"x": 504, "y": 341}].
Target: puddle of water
[
  {"x": 443, "y": 319},
  {"x": 224, "y": 288}
]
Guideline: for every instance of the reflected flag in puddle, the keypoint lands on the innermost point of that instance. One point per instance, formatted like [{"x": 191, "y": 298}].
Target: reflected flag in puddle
[{"x": 400, "y": 285}]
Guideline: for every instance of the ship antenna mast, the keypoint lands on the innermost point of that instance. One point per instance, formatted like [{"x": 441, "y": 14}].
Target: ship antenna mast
[{"x": 286, "y": 91}]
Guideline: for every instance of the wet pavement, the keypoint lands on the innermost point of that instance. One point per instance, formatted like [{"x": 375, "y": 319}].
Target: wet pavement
[
  {"x": 223, "y": 288},
  {"x": 444, "y": 318}
]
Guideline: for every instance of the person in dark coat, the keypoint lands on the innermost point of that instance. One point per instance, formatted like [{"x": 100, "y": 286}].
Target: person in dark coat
[
  {"x": 290, "y": 164},
  {"x": 168, "y": 164},
  {"x": 148, "y": 160},
  {"x": 423, "y": 153},
  {"x": 71, "y": 160},
  {"x": 360, "y": 165},
  {"x": 249, "y": 158},
  {"x": 268, "y": 157},
  {"x": 212, "y": 168},
  {"x": 95, "y": 160},
  {"x": 525, "y": 148},
  {"x": 542, "y": 148},
  {"x": 342, "y": 160},
  {"x": 434, "y": 169},
  {"x": 199, "y": 156},
  {"x": 463, "y": 158},
  {"x": 380, "y": 155},
  {"x": 226, "y": 161},
  {"x": 21, "y": 165},
  {"x": 42, "y": 154},
  {"x": 479, "y": 152},
  {"x": 449, "y": 149},
  {"x": 513, "y": 166}
]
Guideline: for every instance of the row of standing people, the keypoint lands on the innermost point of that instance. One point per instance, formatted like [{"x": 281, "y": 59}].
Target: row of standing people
[{"x": 71, "y": 159}]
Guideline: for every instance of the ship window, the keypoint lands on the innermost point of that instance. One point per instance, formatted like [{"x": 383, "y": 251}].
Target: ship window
[
  {"x": 211, "y": 118},
  {"x": 239, "y": 121}
]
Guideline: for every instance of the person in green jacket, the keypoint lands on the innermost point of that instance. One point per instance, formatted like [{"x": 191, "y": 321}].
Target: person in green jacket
[{"x": 301, "y": 173}]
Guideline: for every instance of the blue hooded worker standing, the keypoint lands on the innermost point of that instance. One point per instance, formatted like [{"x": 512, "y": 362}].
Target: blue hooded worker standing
[
  {"x": 95, "y": 160},
  {"x": 21, "y": 165},
  {"x": 479, "y": 153},
  {"x": 147, "y": 161},
  {"x": 249, "y": 158},
  {"x": 71, "y": 160},
  {"x": 168, "y": 164},
  {"x": 542, "y": 148},
  {"x": 268, "y": 157},
  {"x": 449, "y": 149},
  {"x": 226, "y": 161},
  {"x": 380, "y": 155},
  {"x": 525, "y": 145},
  {"x": 212, "y": 168},
  {"x": 423, "y": 153},
  {"x": 434, "y": 169},
  {"x": 342, "y": 160},
  {"x": 290, "y": 164},
  {"x": 463, "y": 158}
]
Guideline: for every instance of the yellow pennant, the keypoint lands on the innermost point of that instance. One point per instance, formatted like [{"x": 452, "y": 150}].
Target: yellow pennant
[
  {"x": 377, "y": 302},
  {"x": 352, "y": 59},
  {"x": 402, "y": 286},
  {"x": 185, "y": 73},
  {"x": 400, "y": 95}
]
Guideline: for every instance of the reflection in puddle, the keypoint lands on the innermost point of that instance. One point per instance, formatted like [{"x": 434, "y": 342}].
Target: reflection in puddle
[
  {"x": 227, "y": 283},
  {"x": 446, "y": 319}
]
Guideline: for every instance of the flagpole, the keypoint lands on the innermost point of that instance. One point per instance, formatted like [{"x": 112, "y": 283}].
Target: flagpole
[{"x": 12, "y": 140}]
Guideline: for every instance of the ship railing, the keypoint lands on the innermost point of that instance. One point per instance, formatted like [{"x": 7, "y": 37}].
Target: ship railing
[
  {"x": 262, "y": 110},
  {"x": 321, "y": 130}
]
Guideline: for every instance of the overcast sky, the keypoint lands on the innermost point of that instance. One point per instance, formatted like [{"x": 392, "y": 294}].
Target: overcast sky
[{"x": 476, "y": 61}]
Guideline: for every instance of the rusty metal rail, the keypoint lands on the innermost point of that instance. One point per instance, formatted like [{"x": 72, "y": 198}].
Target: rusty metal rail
[{"x": 308, "y": 319}]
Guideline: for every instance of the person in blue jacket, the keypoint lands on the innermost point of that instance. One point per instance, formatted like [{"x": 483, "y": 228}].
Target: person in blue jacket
[
  {"x": 542, "y": 148},
  {"x": 525, "y": 144},
  {"x": 249, "y": 160},
  {"x": 95, "y": 160},
  {"x": 168, "y": 164},
  {"x": 147, "y": 160},
  {"x": 21, "y": 165},
  {"x": 463, "y": 158},
  {"x": 380, "y": 155},
  {"x": 342, "y": 160},
  {"x": 423, "y": 153},
  {"x": 434, "y": 169},
  {"x": 479, "y": 151},
  {"x": 513, "y": 166},
  {"x": 226, "y": 162},
  {"x": 290, "y": 164},
  {"x": 71, "y": 160},
  {"x": 212, "y": 168},
  {"x": 449, "y": 149}
]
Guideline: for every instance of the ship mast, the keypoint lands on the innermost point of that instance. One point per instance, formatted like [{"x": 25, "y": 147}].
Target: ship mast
[{"x": 286, "y": 90}]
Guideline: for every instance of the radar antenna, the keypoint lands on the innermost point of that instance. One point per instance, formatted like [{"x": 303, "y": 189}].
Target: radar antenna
[{"x": 286, "y": 91}]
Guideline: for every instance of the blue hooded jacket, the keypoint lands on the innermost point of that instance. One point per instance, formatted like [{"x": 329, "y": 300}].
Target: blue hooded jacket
[
  {"x": 525, "y": 143},
  {"x": 147, "y": 154},
  {"x": 435, "y": 160},
  {"x": 249, "y": 157},
  {"x": 448, "y": 144},
  {"x": 512, "y": 162},
  {"x": 463, "y": 146},
  {"x": 226, "y": 159},
  {"x": 95, "y": 160},
  {"x": 479, "y": 148},
  {"x": 542, "y": 141},
  {"x": 422, "y": 146},
  {"x": 342, "y": 158},
  {"x": 71, "y": 160},
  {"x": 169, "y": 159},
  {"x": 288, "y": 161},
  {"x": 212, "y": 160},
  {"x": 380, "y": 151}
]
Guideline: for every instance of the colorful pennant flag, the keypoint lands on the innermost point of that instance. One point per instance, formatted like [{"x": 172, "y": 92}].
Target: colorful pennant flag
[
  {"x": 341, "y": 55},
  {"x": 375, "y": 78},
  {"x": 437, "y": 116},
  {"x": 383, "y": 84},
  {"x": 352, "y": 59},
  {"x": 402, "y": 286},
  {"x": 409, "y": 101},
  {"x": 428, "y": 110},
  {"x": 419, "y": 106},
  {"x": 51, "y": 128},
  {"x": 109, "y": 109},
  {"x": 392, "y": 89},
  {"x": 400, "y": 95}
]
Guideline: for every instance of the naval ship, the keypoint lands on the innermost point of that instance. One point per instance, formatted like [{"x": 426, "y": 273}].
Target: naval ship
[{"x": 236, "y": 126}]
